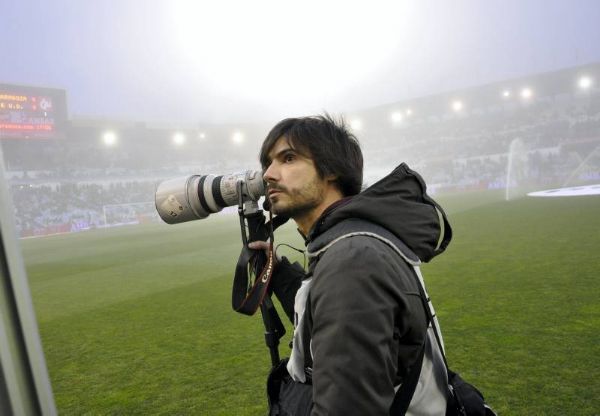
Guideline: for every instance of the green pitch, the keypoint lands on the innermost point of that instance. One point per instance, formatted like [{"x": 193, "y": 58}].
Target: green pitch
[{"x": 137, "y": 320}]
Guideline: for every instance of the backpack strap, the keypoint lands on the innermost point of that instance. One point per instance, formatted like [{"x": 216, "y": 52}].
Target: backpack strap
[
  {"x": 426, "y": 301},
  {"x": 355, "y": 227},
  {"x": 406, "y": 391}
]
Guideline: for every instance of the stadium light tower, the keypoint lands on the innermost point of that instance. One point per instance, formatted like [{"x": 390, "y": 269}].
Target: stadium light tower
[
  {"x": 109, "y": 138},
  {"x": 356, "y": 124},
  {"x": 526, "y": 93},
  {"x": 457, "y": 105},
  {"x": 179, "y": 138},
  {"x": 397, "y": 117},
  {"x": 585, "y": 83},
  {"x": 238, "y": 138}
]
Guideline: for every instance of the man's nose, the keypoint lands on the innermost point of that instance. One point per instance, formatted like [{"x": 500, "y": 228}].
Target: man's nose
[{"x": 269, "y": 175}]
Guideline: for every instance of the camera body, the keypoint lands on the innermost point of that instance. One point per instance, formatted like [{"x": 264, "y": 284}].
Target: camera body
[{"x": 195, "y": 197}]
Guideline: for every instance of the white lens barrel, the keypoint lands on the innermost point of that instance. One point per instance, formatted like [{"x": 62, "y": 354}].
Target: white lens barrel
[
  {"x": 198, "y": 196},
  {"x": 173, "y": 201}
]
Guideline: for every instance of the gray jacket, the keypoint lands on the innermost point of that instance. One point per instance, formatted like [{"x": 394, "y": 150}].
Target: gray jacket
[{"x": 360, "y": 323}]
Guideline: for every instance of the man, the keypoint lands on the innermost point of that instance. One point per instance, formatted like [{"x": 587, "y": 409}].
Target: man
[{"x": 360, "y": 324}]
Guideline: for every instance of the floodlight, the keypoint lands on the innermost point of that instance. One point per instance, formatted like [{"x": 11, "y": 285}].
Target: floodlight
[
  {"x": 506, "y": 94},
  {"x": 109, "y": 138},
  {"x": 179, "y": 138},
  {"x": 526, "y": 93},
  {"x": 202, "y": 136},
  {"x": 397, "y": 117},
  {"x": 585, "y": 82},
  {"x": 238, "y": 137},
  {"x": 408, "y": 112},
  {"x": 457, "y": 105},
  {"x": 356, "y": 124}
]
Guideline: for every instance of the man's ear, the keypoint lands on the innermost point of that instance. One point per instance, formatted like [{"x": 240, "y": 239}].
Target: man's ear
[{"x": 331, "y": 178}]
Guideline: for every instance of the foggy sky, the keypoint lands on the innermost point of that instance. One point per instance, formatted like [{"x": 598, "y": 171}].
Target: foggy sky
[{"x": 235, "y": 61}]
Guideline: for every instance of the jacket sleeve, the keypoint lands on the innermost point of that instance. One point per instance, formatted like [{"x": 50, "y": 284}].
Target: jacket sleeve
[
  {"x": 285, "y": 282},
  {"x": 360, "y": 312}
]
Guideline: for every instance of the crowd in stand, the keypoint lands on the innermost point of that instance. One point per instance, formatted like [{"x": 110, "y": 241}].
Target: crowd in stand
[
  {"x": 440, "y": 147},
  {"x": 77, "y": 206},
  {"x": 78, "y": 183}
]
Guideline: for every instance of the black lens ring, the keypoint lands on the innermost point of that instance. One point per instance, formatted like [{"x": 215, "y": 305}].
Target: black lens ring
[
  {"x": 216, "y": 192},
  {"x": 201, "y": 196}
]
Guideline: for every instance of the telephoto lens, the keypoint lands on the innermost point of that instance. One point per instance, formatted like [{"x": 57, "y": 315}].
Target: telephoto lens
[{"x": 197, "y": 196}]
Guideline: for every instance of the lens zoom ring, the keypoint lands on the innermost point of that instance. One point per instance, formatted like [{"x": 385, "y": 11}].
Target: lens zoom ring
[
  {"x": 201, "y": 196},
  {"x": 216, "y": 191}
]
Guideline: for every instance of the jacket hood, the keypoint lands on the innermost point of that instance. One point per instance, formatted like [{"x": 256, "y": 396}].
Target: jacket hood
[{"x": 399, "y": 203}]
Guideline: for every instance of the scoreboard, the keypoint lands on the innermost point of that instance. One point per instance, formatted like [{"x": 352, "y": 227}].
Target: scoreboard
[{"x": 32, "y": 112}]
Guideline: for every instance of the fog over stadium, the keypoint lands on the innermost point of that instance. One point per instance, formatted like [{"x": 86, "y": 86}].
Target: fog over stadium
[
  {"x": 236, "y": 61},
  {"x": 160, "y": 89},
  {"x": 150, "y": 90}
]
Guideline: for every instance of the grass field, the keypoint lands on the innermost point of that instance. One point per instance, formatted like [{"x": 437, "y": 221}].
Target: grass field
[{"x": 137, "y": 320}]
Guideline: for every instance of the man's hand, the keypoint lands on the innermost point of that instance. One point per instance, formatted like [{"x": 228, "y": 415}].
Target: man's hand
[
  {"x": 264, "y": 245},
  {"x": 286, "y": 278}
]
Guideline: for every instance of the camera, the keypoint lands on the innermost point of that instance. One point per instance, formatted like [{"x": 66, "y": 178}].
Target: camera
[{"x": 197, "y": 196}]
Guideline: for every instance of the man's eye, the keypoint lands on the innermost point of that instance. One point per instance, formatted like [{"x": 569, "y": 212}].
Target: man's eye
[{"x": 288, "y": 158}]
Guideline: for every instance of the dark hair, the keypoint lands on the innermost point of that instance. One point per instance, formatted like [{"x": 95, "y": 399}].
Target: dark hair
[{"x": 328, "y": 142}]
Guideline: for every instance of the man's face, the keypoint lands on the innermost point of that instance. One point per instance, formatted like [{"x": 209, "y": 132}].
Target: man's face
[{"x": 294, "y": 186}]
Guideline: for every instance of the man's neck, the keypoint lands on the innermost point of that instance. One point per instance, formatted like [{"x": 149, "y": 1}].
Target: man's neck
[{"x": 306, "y": 221}]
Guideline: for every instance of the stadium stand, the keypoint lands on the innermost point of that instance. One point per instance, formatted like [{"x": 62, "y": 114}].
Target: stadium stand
[{"x": 88, "y": 179}]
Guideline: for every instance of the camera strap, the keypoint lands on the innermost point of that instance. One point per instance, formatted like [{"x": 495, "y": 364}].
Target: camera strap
[{"x": 247, "y": 296}]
